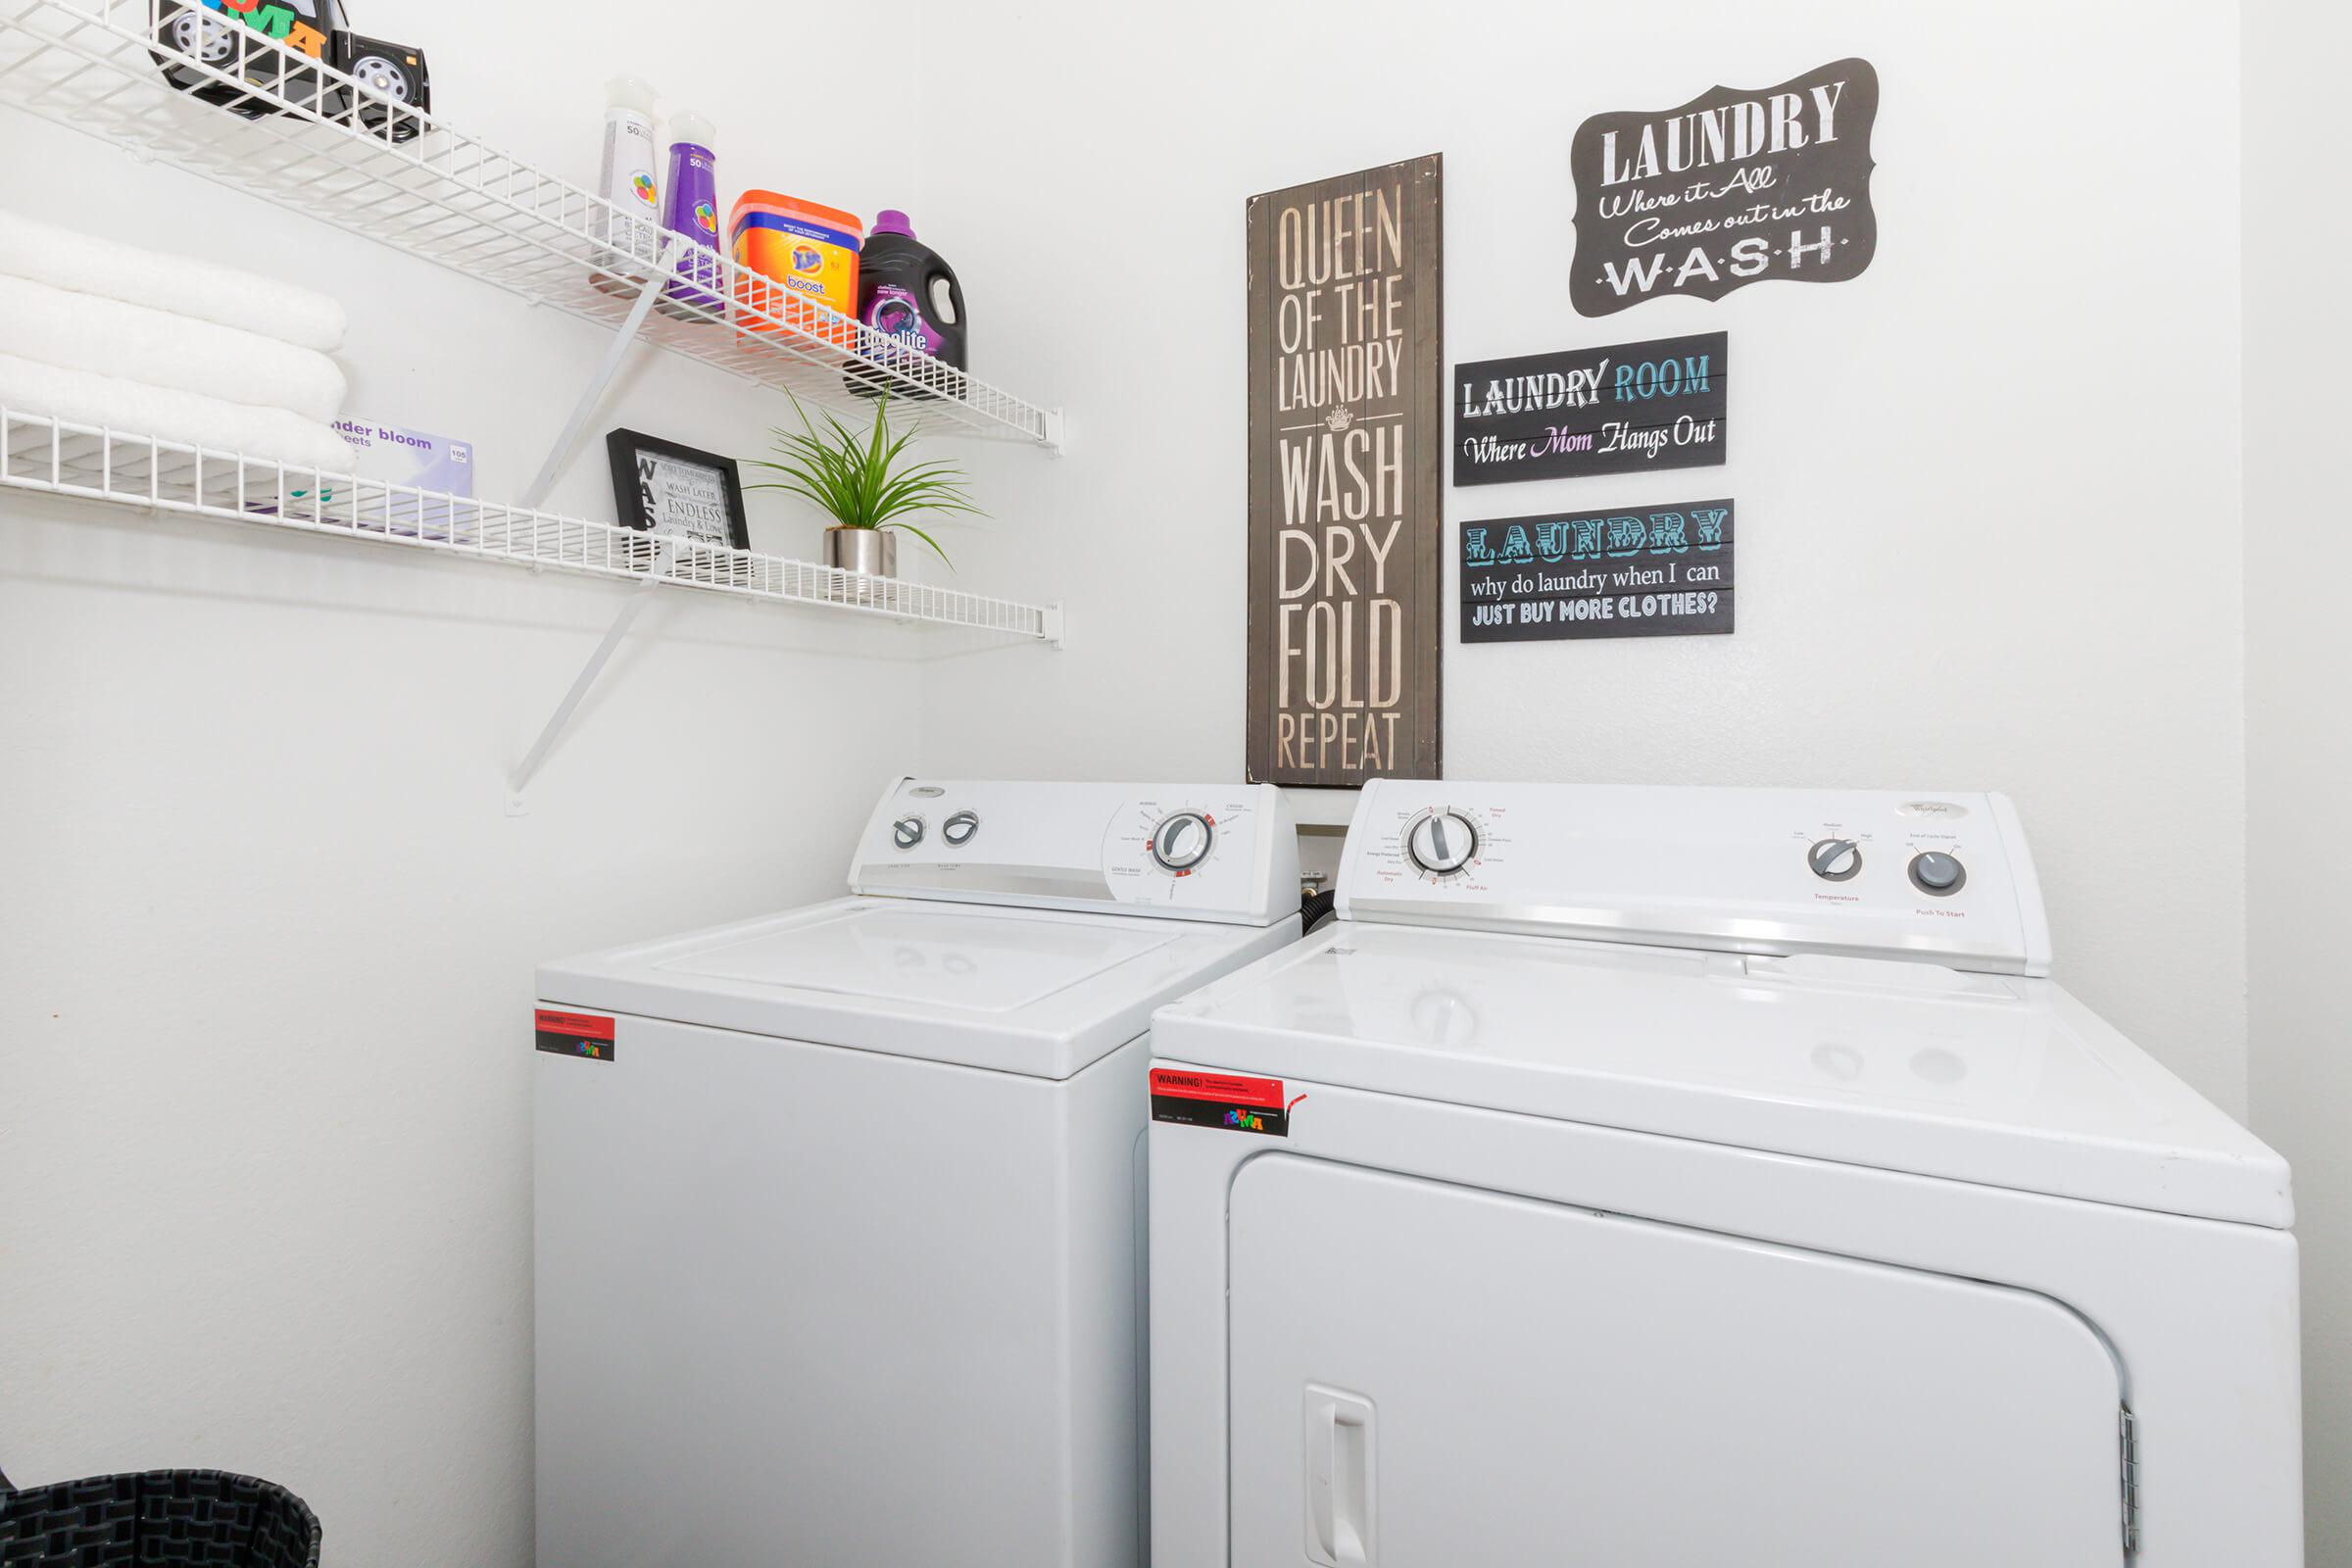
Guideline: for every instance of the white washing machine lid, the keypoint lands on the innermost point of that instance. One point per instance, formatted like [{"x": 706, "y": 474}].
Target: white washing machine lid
[
  {"x": 1039, "y": 992},
  {"x": 1895, "y": 1064}
]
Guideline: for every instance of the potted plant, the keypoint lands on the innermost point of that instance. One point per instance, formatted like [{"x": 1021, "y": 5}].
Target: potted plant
[{"x": 867, "y": 485}]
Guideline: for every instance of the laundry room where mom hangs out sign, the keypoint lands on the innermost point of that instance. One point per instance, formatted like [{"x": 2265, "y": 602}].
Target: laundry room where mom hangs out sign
[
  {"x": 1737, "y": 187},
  {"x": 1347, "y": 438},
  {"x": 1619, "y": 409}
]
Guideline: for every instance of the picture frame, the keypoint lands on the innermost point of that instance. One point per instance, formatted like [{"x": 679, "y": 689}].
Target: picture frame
[{"x": 668, "y": 488}]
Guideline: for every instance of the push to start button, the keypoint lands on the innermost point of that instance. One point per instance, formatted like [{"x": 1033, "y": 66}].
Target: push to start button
[{"x": 1936, "y": 874}]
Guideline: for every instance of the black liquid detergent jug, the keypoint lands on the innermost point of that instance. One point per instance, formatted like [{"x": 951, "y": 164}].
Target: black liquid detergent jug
[{"x": 909, "y": 293}]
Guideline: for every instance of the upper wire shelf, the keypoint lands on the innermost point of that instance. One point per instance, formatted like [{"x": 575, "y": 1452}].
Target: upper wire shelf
[{"x": 337, "y": 150}]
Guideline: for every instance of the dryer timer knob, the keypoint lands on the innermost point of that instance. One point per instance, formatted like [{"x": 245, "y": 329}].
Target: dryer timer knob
[{"x": 1441, "y": 843}]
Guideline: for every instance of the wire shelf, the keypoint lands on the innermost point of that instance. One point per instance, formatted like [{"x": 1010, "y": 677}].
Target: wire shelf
[
  {"x": 339, "y": 150},
  {"x": 45, "y": 455}
]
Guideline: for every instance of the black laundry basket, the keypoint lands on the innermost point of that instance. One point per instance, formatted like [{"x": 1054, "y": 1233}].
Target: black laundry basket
[{"x": 163, "y": 1519}]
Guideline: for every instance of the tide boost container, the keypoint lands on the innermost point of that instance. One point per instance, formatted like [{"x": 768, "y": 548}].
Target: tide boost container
[{"x": 792, "y": 254}]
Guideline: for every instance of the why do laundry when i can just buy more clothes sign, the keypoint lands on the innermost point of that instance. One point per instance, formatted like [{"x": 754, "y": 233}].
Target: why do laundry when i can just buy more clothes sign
[{"x": 1628, "y": 572}]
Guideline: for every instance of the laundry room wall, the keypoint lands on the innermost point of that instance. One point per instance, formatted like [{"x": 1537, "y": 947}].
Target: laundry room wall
[
  {"x": 2298, "y": 748},
  {"x": 1987, "y": 491},
  {"x": 264, "y": 1125},
  {"x": 267, "y": 943}
]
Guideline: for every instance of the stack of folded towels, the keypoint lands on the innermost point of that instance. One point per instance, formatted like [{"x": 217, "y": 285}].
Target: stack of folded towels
[{"x": 99, "y": 333}]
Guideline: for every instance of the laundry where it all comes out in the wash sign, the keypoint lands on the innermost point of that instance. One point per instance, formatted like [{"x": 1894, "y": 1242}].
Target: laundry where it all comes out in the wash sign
[
  {"x": 1737, "y": 187},
  {"x": 1347, "y": 440}
]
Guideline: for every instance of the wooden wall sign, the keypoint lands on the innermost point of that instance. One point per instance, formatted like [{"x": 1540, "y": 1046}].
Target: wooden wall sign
[
  {"x": 1635, "y": 572},
  {"x": 1734, "y": 187},
  {"x": 1655, "y": 404},
  {"x": 1347, "y": 437}
]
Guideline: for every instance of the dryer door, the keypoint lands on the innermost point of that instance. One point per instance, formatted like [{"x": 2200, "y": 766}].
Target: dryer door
[{"x": 1430, "y": 1375}]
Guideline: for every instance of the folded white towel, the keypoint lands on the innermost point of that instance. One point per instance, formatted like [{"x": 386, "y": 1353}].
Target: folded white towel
[
  {"x": 133, "y": 343},
  {"x": 250, "y": 302},
  {"x": 190, "y": 418}
]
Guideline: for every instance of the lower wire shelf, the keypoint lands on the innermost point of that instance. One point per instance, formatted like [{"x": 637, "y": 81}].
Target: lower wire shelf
[{"x": 52, "y": 457}]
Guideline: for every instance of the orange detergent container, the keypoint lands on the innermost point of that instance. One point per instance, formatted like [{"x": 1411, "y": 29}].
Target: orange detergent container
[{"x": 793, "y": 255}]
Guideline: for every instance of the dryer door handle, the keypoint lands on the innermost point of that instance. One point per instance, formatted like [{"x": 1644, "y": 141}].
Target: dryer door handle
[{"x": 1335, "y": 1428}]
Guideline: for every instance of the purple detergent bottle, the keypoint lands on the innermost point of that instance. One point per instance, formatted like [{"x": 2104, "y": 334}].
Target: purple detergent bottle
[
  {"x": 690, "y": 210},
  {"x": 909, "y": 293}
]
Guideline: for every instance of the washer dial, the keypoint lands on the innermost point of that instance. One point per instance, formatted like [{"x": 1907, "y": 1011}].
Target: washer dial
[
  {"x": 1443, "y": 843},
  {"x": 906, "y": 832},
  {"x": 1183, "y": 841},
  {"x": 1834, "y": 859},
  {"x": 959, "y": 829}
]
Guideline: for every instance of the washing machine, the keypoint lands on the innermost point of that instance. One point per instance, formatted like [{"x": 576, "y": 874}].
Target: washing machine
[
  {"x": 838, "y": 1211},
  {"x": 1681, "y": 1177}
]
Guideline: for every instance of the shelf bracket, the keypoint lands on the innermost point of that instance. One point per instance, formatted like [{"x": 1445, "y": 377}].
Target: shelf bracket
[
  {"x": 536, "y": 758},
  {"x": 664, "y": 267}
]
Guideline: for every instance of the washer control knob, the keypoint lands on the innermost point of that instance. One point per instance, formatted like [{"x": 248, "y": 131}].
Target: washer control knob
[
  {"x": 1441, "y": 843},
  {"x": 1936, "y": 874},
  {"x": 1182, "y": 842},
  {"x": 906, "y": 832},
  {"x": 959, "y": 829},
  {"x": 1834, "y": 859}
]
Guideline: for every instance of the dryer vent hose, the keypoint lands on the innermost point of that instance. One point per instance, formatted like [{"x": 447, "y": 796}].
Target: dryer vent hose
[{"x": 1314, "y": 908}]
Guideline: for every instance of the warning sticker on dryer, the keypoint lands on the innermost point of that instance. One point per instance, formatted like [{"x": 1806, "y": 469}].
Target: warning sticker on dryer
[
  {"x": 1229, "y": 1101},
  {"x": 574, "y": 1034}
]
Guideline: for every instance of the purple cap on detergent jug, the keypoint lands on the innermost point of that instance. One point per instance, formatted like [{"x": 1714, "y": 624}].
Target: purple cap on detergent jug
[{"x": 890, "y": 221}]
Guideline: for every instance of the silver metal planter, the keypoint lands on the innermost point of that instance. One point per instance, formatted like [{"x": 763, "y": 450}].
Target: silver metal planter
[{"x": 870, "y": 553}]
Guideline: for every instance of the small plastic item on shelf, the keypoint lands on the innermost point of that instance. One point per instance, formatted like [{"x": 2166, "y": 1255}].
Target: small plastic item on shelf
[
  {"x": 690, "y": 211},
  {"x": 632, "y": 232},
  {"x": 201, "y": 42},
  {"x": 908, "y": 292},
  {"x": 791, "y": 254}
]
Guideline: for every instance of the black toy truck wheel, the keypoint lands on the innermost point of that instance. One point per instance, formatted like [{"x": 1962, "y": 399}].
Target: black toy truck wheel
[
  {"x": 392, "y": 79},
  {"x": 196, "y": 32}
]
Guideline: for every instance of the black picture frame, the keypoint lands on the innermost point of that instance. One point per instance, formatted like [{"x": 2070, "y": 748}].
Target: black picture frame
[{"x": 637, "y": 459}]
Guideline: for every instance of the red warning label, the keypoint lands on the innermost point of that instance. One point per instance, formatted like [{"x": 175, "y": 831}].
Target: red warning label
[
  {"x": 574, "y": 1034},
  {"x": 1233, "y": 1101}
]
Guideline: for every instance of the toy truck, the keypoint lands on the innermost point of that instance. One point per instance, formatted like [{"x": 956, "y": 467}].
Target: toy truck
[{"x": 227, "y": 36}]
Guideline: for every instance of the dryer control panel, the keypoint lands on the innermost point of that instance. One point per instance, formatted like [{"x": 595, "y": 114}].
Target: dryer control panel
[
  {"x": 1192, "y": 851},
  {"x": 1945, "y": 877}
]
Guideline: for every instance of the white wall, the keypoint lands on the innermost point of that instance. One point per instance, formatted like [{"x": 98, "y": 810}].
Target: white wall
[
  {"x": 267, "y": 941},
  {"x": 1988, "y": 492},
  {"x": 2298, "y": 746}
]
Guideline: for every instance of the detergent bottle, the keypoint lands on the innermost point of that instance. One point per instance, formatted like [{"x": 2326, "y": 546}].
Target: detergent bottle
[
  {"x": 632, "y": 232},
  {"x": 908, "y": 292},
  {"x": 690, "y": 210}
]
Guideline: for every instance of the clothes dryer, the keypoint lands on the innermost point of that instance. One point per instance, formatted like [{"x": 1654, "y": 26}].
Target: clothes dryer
[{"x": 1681, "y": 1177}]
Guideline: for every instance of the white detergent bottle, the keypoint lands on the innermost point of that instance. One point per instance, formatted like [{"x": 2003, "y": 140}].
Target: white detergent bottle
[{"x": 631, "y": 235}]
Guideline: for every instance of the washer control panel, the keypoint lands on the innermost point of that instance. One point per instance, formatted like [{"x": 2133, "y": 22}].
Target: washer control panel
[
  {"x": 1205, "y": 851},
  {"x": 1941, "y": 877}
]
